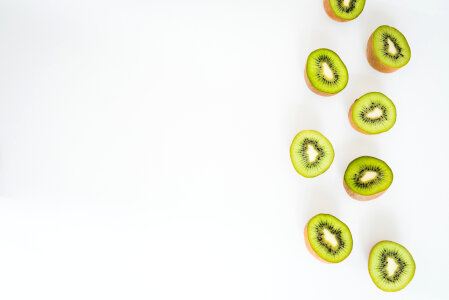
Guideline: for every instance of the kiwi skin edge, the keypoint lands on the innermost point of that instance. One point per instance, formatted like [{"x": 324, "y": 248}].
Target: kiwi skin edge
[
  {"x": 359, "y": 197},
  {"x": 312, "y": 88},
  {"x": 352, "y": 121},
  {"x": 374, "y": 61},
  {"x": 330, "y": 12},
  {"x": 309, "y": 247}
]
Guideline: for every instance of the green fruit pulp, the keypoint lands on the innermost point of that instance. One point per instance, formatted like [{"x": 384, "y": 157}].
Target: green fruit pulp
[
  {"x": 347, "y": 9},
  {"x": 368, "y": 175},
  {"x": 311, "y": 153},
  {"x": 391, "y": 266},
  {"x": 329, "y": 238},
  {"x": 374, "y": 113},
  {"x": 326, "y": 71},
  {"x": 391, "y": 47}
]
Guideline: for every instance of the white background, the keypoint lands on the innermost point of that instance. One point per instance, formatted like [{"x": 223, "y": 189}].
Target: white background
[{"x": 144, "y": 149}]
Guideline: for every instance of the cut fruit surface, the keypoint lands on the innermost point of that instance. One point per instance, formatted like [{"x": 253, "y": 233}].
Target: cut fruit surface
[
  {"x": 325, "y": 72},
  {"x": 367, "y": 176},
  {"x": 311, "y": 153},
  {"x": 390, "y": 266},
  {"x": 346, "y": 10},
  {"x": 373, "y": 113},
  {"x": 390, "y": 47},
  {"x": 328, "y": 238}
]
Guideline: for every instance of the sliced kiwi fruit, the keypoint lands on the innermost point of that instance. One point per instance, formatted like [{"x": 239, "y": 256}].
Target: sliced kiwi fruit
[
  {"x": 343, "y": 10},
  {"x": 325, "y": 73},
  {"x": 390, "y": 266},
  {"x": 387, "y": 49},
  {"x": 327, "y": 238},
  {"x": 367, "y": 178},
  {"x": 311, "y": 153},
  {"x": 372, "y": 113}
]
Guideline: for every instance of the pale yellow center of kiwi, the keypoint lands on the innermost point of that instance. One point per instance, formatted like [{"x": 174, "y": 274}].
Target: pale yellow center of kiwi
[
  {"x": 312, "y": 153},
  {"x": 327, "y": 71},
  {"x": 375, "y": 113},
  {"x": 330, "y": 238},
  {"x": 391, "y": 266},
  {"x": 346, "y": 3},
  {"x": 391, "y": 47},
  {"x": 368, "y": 176}
]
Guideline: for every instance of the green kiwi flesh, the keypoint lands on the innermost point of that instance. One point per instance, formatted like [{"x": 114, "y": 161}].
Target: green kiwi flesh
[
  {"x": 311, "y": 153},
  {"x": 368, "y": 175},
  {"x": 326, "y": 71},
  {"x": 347, "y": 9},
  {"x": 329, "y": 238},
  {"x": 374, "y": 113},
  {"x": 391, "y": 47},
  {"x": 391, "y": 266}
]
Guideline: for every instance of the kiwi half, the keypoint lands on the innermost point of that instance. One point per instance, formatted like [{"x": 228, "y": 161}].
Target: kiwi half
[
  {"x": 325, "y": 73},
  {"x": 343, "y": 10},
  {"x": 387, "y": 49},
  {"x": 311, "y": 153},
  {"x": 367, "y": 178},
  {"x": 390, "y": 266},
  {"x": 372, "y": 113},
  {"x": 327, "y": 238}
]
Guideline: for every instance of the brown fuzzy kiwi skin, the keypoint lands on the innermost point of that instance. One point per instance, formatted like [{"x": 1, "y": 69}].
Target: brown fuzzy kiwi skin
[
  {"x": 312, "y": 88},
  {"x": 359, "y": 197},
  {"x": 330, "y": 12},
  {"x": 374, "y": 61},
  {"x": 309, "y": 247},
  {"x": 351, "y": 121}
]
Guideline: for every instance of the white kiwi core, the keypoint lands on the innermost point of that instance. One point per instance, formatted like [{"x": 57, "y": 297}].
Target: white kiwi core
[
  {"x": 391, "y": 47},
  {"x": 368, "y": 176},
  {"x": 330, "y": 238},
  {"x": 327, "y": 71},
  {"x": 375, "y": 113},
  {"x": 346, "y": 3},
  {"x": 312, "y": 153},
  {"x": 391, "y": 266}
]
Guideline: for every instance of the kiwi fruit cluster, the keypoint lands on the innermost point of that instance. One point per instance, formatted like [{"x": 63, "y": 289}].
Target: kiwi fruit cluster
[{"x": 390, "y": 265}]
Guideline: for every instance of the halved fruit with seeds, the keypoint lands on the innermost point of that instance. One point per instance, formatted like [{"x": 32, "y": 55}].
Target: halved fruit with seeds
[
  {"x": 325, "y": 73},
  {"x": 343, "y": 10},
  {"x": 390, "y": 266},
  {"x": 311, "y": 153},
  {"x": 367, "y": 178},
  {"x": 327, "y": 238},
  {"x": 387, "y": 49},
  {"x": 372, "y": 113}
]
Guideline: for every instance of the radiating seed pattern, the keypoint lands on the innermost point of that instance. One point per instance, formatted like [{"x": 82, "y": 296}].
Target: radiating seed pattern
[
  {"x": 319, "y": 228},
  {"x": 319, "y": 75},
  {"x": 346, "y": 9},
  {"x": 365, "y": 168}
]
